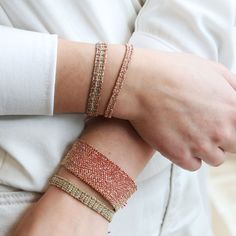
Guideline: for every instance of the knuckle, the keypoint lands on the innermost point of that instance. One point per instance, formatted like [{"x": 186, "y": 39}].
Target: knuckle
[
  {"x": 179, "y": 160},
  {"x": 221, "y": 135},
  {"x": 226, "y": 134},
  {"x": 181, "y": 157},
  {"x": 182, "y": 160},
  {"x": 216, "y": 136},
  {"x": 202, "y": 148},
  {"x": 190, "y": 165},
  {"x": 180, "y": 154}
]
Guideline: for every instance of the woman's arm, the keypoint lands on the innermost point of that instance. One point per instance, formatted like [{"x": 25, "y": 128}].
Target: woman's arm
[
  {"x": 165, "y": 95},
  {"x": 168, "y": 97},
  {"x": 62, "y": 215}
]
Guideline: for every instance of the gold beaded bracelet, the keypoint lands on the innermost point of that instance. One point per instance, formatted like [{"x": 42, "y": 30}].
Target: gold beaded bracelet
[
  {"x": 97, "y": 80},
  {"x": 119, "y": 81},
  {"x": 83, "y": 197}
]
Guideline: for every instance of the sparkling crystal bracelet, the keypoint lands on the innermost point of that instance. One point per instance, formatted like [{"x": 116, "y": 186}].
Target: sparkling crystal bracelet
[
  {"x": 82, "y": 196},
  {"x": 100, "y": 173}
]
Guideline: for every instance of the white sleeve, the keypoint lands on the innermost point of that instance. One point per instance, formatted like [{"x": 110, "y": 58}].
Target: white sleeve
[
  {"x": 203, "y": 27},
  {"x": 27, "y": 72}
]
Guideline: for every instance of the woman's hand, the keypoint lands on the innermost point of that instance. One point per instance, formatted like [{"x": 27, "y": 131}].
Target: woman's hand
[{"x": 182, "y": 105}]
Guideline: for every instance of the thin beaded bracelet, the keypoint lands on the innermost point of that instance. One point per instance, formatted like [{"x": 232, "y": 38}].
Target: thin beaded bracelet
[
  {"x": 100, "y": 173},
  {"x": 82, "y": 196},
  {"x": 97, "y": 79},
  {"x": 119, "y": 81}
]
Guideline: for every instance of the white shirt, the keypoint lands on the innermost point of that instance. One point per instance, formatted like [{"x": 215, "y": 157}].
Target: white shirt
[{"x": 33, "y": 139}]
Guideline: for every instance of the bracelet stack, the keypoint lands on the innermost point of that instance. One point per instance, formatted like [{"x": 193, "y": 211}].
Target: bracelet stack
[
  {"x": 87, "y": 163},
  {"x": 95, "y": 90},
  {"x": 101, "y": 174}
]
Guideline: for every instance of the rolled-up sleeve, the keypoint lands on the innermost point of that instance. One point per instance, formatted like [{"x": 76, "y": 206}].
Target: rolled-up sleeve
[
  {"x": 205, "y": 28},
  {"x": 27, "y": 72}
]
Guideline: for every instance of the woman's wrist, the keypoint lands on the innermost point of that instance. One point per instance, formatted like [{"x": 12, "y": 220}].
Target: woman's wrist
[
  {"x": 73, "y": 79},
  {"x": 57, "y": 213},
  {"x": 75, "y": 63},
  {"x": 73, "y": 213}
]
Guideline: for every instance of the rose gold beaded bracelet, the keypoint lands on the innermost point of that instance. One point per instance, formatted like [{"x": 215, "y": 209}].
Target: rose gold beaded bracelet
[
  {"x": 97, "y": 79},
  {"x": 100, "y": 173},
  {"x": 119, "y": 81}
]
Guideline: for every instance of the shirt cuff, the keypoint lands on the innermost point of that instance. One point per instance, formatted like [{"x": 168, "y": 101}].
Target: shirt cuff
[{"x": 27, "y": 72}]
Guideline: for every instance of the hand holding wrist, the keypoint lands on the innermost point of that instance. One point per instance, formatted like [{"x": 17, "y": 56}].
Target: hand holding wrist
[{"x": 179, "y": 99}]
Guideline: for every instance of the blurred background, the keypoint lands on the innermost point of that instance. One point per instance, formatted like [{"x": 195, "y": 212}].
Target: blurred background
[{"x": 222, "y": 191}]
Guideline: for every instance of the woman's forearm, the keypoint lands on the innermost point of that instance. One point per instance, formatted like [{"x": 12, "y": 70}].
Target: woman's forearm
[
  {"x": 72, "y": 76},
  {"x": 114, "y": 138},
  {"x": 167, "y": 97},
  {"x": 118, "y": 141}
]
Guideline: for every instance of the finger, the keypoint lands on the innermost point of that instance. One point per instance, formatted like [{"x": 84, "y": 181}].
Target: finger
[
  {"x": 180, "y": 154},
  {"x": 218, "y": 158},
  {"x": 184, "y": 159},
  {"x": 191, "y": 164},
  {"x": 212, "y": 156},
  {"x": 229, "y": 147},
  {"x": 225, "y": 139}
]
